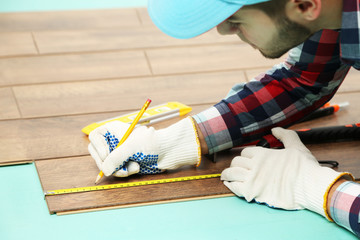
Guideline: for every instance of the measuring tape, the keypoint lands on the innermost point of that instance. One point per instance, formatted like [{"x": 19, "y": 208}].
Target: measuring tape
[{"x": 130, "y": 184}]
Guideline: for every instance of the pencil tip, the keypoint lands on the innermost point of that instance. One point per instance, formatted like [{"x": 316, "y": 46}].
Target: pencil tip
[{"x": 97, "y": 179}]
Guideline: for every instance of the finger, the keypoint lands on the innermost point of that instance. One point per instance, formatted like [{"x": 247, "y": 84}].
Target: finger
[
  {"x": 250, "y": 152},
  {"x": 289, "y": 138},
  {"x": 133, "y": 167},
  {"x": 123, "y": 172},
  {"x": 234, "y": 174},
  {"x": 115, "y": 159},
  {"x": 241, "y": 161},
  {"x": 99, "y": 143},
  {"x": 235, "y": 187},
  {"x": 240, "y": 189}
]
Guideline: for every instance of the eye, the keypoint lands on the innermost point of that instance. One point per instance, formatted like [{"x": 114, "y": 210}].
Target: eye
[{"x": 232, "y": 24}]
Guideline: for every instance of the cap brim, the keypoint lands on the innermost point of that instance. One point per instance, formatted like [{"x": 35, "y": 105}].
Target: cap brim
[{"x": 188, "y": 18}]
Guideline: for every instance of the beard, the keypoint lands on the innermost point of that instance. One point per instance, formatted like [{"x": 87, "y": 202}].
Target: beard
[{"x": 289, "y": 35}]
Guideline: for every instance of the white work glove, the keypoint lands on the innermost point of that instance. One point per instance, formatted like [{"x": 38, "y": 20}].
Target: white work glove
[
  {"x": 146, "y": 150},
  {"x": 289, "y": 178}
]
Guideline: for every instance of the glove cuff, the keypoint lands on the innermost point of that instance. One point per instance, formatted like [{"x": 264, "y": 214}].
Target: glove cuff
[
  {"x": 312, "y": 193},
  {"x": 179, "y": 145},
  {"x": 345, "y": 175}
]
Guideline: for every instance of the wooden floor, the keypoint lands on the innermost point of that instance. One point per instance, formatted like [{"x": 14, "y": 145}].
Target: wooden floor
[{"x": 60, "y": 71}]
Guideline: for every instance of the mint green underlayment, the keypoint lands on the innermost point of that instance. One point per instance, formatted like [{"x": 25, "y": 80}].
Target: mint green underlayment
[
  {"x": 24, "y": 215},
  {"x": 54, "y": 5}
]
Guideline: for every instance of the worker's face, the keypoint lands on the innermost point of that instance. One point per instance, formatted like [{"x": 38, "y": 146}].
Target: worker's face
[{"x": 271, "y": 38}]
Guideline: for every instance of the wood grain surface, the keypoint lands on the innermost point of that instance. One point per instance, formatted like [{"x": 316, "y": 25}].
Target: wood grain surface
[{"x": 59, "y": 173}]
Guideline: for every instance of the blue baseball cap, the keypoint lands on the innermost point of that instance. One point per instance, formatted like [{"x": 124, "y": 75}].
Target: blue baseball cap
[{"x": 190, "y": 18}]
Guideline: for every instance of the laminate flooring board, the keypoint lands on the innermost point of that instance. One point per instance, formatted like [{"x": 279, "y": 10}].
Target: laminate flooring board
[
  {"x": 60, "y": 173},
  {"x": 34, "y": 139},
  {"x": 75, "y": 67},
  {"x": 207, "y": 58},
  {"x": 119, "y": 39},
  {"x": 27, "y": 140},
  {"x": 8, "y": 106},
  {"x": 144, "y": 17},
  {"x": 68, "y": 20},
  {"x": 351, "y": 82},
  {"x": 19, "y": 43},
  {"x": 124, "y": 94}
]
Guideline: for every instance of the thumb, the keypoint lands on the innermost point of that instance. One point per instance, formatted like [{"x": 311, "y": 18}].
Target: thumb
[
  {"x": 289, "y": 138},
  {"x": 114, "y": 161},
  {"x": 128, "y": 169}
]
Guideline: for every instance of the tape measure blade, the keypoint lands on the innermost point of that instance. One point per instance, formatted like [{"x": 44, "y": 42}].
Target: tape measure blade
[{"x": 129, "y": 184}]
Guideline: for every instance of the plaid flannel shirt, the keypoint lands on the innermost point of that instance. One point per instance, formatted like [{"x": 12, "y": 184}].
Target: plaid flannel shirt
[
  {"x": 289, "y": 91},
  {"x": 345, "y": 206}
]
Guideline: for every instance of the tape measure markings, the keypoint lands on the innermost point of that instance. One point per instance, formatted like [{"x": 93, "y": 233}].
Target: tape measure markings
[{"x": 130, "y": 184}]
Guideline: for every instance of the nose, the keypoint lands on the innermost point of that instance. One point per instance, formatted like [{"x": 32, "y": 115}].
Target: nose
[{"x": 226, "y": 28}]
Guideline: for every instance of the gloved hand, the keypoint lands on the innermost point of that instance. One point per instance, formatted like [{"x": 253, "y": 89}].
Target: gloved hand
[
  {"x": 289, "y": 178},
  {"x": 146, "y": 150}
]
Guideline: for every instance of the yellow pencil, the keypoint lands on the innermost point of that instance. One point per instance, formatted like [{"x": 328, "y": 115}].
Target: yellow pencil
[{"x": 128, "y": 132}]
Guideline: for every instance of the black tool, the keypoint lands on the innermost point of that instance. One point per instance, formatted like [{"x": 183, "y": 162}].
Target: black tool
[
  {"x": 325, "y": 111},
  {"x": 341, "y": 133}
]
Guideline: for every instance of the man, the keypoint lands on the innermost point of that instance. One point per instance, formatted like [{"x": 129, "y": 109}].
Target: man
[{"x": 323, "y": 44}]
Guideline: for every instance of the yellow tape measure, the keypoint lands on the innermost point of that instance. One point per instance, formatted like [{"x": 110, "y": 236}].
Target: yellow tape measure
[{"x": 130, "y": 184}]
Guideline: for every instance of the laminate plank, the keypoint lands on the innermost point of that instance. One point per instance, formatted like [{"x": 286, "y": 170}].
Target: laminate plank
[
  {"x": 124, "y": 94},
  {"x": 118, "y": 39},
  {"x": 75, "y": 67},
  {"x": 27, "y": 140},
  {"x": 207, "y": 58},
  {"x": 351, "y": 82},
  {"x": 33, "y": 139},
  {"x": 8, "y": 107},
  {"x": 57, "y": 174},
  {"x": 144, "y": 17},
  {"x": 13, "y": 44},
  {"x": 68, "y": 20}
]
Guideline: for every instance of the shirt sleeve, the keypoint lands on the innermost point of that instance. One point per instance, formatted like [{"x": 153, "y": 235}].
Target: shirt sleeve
[
  {"x": 289, "y": 91},
  {"x": 345, "y": 206}
]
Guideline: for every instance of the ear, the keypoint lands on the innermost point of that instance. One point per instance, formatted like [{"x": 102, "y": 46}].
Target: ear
[{"x": 304, "y": 9}]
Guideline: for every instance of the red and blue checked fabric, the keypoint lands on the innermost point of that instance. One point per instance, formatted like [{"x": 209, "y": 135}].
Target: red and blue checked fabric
[
  {"x": 345, "y": 206},
  {"x": 350, "y": 33},
  {"x": 310, "y": 76}
]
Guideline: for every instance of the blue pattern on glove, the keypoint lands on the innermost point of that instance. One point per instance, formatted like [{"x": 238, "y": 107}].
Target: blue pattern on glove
[
  {"x": 148, "y": 163},
  {"x": 111, "y": 140}
]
